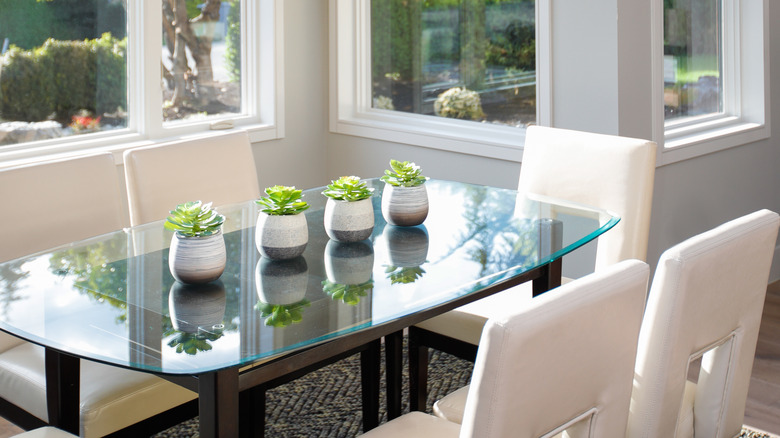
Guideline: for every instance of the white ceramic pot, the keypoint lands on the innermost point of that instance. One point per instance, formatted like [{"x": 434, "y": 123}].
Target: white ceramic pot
[
  {"x": 194, "y": 306},
  {"x": 349, "y": 221},
  {"x": 349, "y": 262},
  {"x": 407, "y": 246},
  {"x": 281, "y": 282},
  {"x": 195, "y": 260},
  {"x": 405, "y": 206},
  {"x": 281, "y": 237}
]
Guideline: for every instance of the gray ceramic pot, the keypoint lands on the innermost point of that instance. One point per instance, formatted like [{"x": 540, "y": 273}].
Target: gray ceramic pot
[
  {"x": 349, "y": 221},
  {"x": 281, "y": 237},
  {"x": 281, "y": 282},
  {"x": 194, "y": 306},
  {"x": 407, "y": 246},
  {"x": 349, "y": 262}
]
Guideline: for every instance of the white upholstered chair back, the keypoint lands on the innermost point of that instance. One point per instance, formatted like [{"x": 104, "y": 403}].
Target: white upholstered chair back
[
  {"x": 566, "y": 356},
  {"x": 53, "y": 203},
  {"x": 611, "y": 172},
  {"x": 220, "y": 170},
  {"x": 706, "y": 299}
]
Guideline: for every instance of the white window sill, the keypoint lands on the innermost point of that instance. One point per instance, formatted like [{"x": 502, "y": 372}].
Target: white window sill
[{"x": 683, "y": 144}]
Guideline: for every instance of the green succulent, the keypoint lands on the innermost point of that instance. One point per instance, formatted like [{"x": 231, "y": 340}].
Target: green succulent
[
  {"x": 194, "y": 219},
  {"x": 282, "y": 201},
  {"x": 347, "y": 293},
  {"x": 403, "y": 174},
  {"x": 403, "y": 275},
  {"x": 348, "y": 188},
  {"x": 282, "y": 315},
  {"x": 192, "y": 343}
]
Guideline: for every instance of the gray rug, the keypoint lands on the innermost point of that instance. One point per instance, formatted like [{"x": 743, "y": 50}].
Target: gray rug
[{"x": 326, "y": 402}]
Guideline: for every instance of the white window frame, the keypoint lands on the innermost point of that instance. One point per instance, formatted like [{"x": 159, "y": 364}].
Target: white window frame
[
  {"x": 745, "y": 117},
  {"x": 262, "y": 99},
  {"x": 351, "y": 111}
]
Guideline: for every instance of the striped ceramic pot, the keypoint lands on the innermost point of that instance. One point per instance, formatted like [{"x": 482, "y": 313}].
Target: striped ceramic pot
[
  {"x": 281, "y": 237},
  {"x": 349, "y": 262},
  {"x": 405, "y": 206},
  {"x": 195, "y": 260},
  {"x": 349, "y": 221},
  {"x": 197, "y": 306}
]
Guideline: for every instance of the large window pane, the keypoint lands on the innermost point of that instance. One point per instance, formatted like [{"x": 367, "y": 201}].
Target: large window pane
[
  {"x": 464, "y": 59},
  {"x": 201, "y": 59},
  {"x": 693, "y": 62},
  {"x": 63, "y": 68}
]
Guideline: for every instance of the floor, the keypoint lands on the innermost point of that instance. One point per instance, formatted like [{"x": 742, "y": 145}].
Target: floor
[{"x": 763, "y": 404}]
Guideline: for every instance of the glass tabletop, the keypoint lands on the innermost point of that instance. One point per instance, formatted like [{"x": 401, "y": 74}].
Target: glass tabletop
[{"x": 112, "y": 298}]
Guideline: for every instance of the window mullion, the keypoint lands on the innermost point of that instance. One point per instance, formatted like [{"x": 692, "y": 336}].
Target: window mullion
[{"x": 147, "y": 97}]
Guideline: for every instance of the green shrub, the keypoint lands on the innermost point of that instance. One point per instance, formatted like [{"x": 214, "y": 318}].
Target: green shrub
[
  {"x": 64, "y": 77},
  {"x": 233, "y": 42}
]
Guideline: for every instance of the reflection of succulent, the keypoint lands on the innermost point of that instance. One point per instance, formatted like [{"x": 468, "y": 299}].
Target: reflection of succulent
[
  {"x": 459, "y": 103},
  {"x": 191, "y": 343},
  {"x": 282, "y": 201},
  {"x": 348, "y": 188},
  {"x": 193, "y": 219},
  {"x": 404, "y": 275},
  {"x": 282, "y": 315},
  {"x": 403, "y": 174},
  {"x": 347, "y": 293}
]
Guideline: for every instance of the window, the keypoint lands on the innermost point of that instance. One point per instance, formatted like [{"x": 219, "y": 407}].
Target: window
[
  {"x": 79, "y": 74},
  {"x": 459, "y": 75},
  {"x": 714, "y": 75}
]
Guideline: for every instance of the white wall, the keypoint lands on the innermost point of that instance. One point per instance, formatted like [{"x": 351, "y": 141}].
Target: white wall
[{"x": 690, "y": 196}]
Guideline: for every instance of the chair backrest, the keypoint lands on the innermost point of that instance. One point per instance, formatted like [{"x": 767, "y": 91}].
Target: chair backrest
[
  {"x": 52, "y": 203},
  {"x": 610, "y": 172},
  {"x": 56, "y": 202},
  {"x": 562, "y": 362},
  {"x": 706, "y": 302},
  {"x": 220, "y": 170}
]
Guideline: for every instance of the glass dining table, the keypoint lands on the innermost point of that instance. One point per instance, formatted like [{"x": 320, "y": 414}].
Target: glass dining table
[{"x": 112, "y": 298}]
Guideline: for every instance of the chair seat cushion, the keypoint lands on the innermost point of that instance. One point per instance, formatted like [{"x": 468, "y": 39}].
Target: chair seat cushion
[
  {"x": 465, "y": 322},
  {"x": 112, "y": 398},
  {"x": 415, "y": 424},
  {"x": 452, "y": 406}
]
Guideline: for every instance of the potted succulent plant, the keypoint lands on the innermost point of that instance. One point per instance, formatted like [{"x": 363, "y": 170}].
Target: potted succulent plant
[
  {"x": 197, "y": 253},
  {"x": 404, "y": 198},
  {"x": 282, "y": 232},
  {"x": 197, "y": 312},
  {"x": 349, "y": 213}
]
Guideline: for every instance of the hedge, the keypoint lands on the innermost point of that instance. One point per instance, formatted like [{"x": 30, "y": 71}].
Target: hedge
[{"x": 61, "y": 78}]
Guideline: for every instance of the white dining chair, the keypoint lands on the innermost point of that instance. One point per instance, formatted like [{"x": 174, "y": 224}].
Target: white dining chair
[
  {"x": 705, "y": 308},
  {"x": 564, "y": 362},
  {"x": 610, "y": 172},
  {"x": 49, "y": 204},
  {"x": 218, "y": 169}
]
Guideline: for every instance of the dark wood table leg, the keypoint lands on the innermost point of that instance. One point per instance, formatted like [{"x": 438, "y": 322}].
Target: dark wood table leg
[
  {"x": 62, "y": 390},
  {"x": 218, "y": 403},
  {"x": 550, "y": 279},
  {"x": 252, "y": 412},
  {"x": 369, "y": 378},
  {"x": 393, "y": 370},
  {"x": 418, "y": 372}
]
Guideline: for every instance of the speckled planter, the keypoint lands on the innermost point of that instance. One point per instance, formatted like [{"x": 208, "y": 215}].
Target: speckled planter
[
  {"x": 407, "y": 246},
  {"x": 281, "y": 237},
  {"x": 195, "y": 260},
  {"x": 349, "y": 221},
  {"x": 349, "y": 262},
  {"x": 194, "y": 306},
  {"x": 281, "y": 282},
  {"x": 405, "y": 206}
]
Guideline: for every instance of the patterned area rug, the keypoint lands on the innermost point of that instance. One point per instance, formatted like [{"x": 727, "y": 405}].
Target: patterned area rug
[{"x": 326, "y": 402}]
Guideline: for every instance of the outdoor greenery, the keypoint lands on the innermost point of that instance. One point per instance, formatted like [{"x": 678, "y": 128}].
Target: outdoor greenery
[
  {"x": 348, "y": 188},
  {"x": 282, "y": 201},
  {"x": 233, "y": 41},
  {"x": 59, "y": 78},
  {"x": 459, "y": 103},
  {"x": 403, "y": 174},
  {"x": 194, "y": 219}
]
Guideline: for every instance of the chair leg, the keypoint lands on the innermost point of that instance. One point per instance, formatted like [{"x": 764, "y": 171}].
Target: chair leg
[{"x": 418, "y": 372}]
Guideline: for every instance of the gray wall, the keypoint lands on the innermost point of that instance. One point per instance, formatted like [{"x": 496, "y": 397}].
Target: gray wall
[{"x": 690, "y": 196}]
